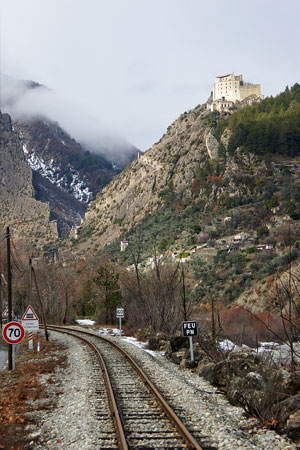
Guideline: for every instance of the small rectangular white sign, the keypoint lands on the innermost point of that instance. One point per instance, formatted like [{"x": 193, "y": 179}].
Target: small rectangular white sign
[
  {"x": 120, "y": 312},
  {"x": 30, "y": 325}
]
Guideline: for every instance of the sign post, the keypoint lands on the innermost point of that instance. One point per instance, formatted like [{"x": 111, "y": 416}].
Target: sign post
[
  {"x": 13, "y": 333},
  {"x": 189, "y": 329},
  {"x": 120, "y": 315}
]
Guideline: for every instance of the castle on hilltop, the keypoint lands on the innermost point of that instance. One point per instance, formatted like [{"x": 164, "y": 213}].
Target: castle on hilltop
[{"x": 229, "y": 91}]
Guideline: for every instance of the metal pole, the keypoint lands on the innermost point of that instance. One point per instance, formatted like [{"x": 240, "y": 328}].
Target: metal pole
[
  {"x": 120, "y": 322},
  {"x": 13, "y": 356},
  {"x": 191, "y": 348},
  {"x": 9, "y": 297}
]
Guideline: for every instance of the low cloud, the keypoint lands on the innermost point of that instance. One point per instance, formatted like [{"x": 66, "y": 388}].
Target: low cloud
[{"x": 27, "y": 100}]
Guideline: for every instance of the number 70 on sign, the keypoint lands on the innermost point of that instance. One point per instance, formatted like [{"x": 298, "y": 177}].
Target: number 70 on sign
[{"x": 13, "y": 333}]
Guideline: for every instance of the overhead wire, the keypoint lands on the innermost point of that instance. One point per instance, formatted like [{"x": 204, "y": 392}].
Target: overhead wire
[
  {"x": 3, "y": 238},
  {"x": 17, "y": 259},
  {"x": 16, "y": 263}
]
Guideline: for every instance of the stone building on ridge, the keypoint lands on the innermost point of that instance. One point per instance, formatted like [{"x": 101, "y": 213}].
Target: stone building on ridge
[{"x": 230, "y": 90}]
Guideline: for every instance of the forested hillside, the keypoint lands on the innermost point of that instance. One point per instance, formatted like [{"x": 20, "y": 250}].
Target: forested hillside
[{"x": 269, "y": 127}]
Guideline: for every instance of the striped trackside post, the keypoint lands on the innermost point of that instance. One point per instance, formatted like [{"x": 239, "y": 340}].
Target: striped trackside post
[{"x": 30, "y": 340}]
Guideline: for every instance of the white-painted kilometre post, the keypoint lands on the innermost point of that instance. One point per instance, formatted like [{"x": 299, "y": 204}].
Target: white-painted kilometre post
[{"x": 30, "y": 340}]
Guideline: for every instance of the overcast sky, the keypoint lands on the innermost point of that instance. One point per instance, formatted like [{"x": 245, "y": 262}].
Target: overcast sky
[{"x": 131, "y": 67}]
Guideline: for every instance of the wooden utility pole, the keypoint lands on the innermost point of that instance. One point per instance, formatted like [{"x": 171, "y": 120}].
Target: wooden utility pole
[
  {"x": 30, "y": 281},
  {"x": 39, "y": 300},
  {"x": 9, "y": 297},
  {"x": 183, "y": 293},
  {"x": 1, "y": 307},
  {"x": 213, "y": 323},
  {"x": 1, "y": 297}
]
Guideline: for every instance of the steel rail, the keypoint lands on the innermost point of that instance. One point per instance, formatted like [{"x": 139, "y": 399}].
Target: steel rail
[
  {"x": 122, "y": 443},
  {"x": 183, "y": 431}
]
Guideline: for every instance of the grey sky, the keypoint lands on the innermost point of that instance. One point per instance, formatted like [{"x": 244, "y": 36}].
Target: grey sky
[{"x": 131, "y": 67}]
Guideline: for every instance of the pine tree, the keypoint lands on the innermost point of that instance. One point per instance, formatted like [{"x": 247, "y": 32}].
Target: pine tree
[{"x": 109, "y": 294}]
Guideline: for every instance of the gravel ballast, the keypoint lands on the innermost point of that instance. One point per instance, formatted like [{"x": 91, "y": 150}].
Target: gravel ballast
[{"x": 72, "y": 423}]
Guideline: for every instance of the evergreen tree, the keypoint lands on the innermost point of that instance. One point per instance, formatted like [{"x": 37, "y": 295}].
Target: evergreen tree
[
  {"x": 109, "y": 292},
  {"x": 269, "y": 127}
]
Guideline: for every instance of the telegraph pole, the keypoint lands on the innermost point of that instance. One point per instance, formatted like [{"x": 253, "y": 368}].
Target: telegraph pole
[
  {"x": 183, "y": 293},
  {"x": 30, "y": 281},
  {"x": 1, "y": 307},
  {"x": 40, "y": 302},
  {"x": 9, "y": 297},
  {"x": 213, "y": 323}
]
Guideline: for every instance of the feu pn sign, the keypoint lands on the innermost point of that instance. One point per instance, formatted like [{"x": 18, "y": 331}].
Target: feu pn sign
[{"x": 189, "y": 328}]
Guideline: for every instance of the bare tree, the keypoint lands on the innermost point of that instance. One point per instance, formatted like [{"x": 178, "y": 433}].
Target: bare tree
[
  {"x": 153, "y": 299},
  {"x": 57, "y": 288}
]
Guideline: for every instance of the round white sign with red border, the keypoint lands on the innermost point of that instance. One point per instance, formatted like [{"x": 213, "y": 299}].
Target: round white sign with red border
[{"x": 13, "y": 333}]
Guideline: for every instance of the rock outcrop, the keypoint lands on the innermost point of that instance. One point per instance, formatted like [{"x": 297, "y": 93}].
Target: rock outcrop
[
  {"x": 67, "y": 174},
  {"x": 27, "y": 217},
  {"x": 137, "y": 191},
  {"x": 168, "y": 169}
]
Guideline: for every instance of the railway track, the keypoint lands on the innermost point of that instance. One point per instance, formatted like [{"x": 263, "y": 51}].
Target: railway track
[{"x": 132, "y": 414}]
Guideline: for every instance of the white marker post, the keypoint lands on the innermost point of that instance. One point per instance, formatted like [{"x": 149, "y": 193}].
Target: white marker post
[
  {"x": 189, "y": 329},
  {"x": 120, "y": 315},
  {"x": 30, "y": 340}
]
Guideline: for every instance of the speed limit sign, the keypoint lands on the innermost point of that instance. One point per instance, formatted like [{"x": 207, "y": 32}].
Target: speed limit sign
[{"x": 13, "y": 332}]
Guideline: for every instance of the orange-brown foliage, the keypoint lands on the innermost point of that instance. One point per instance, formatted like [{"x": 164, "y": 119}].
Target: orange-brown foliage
[
  {"x": 248, "y": 328},
  {"x": 19, "y": 388},
  {"x": 214, "y": 179}
]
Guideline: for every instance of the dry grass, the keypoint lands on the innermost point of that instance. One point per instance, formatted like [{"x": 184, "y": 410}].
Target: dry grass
[{"x": 20, "y": 389}]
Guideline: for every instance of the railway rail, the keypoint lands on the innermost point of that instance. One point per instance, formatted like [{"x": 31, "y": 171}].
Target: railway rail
[{"x": 132, "y": 413}]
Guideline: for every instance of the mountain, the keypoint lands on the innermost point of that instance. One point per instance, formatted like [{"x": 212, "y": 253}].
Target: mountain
[
  {"x": 66, "y": 173},
  {"x": 29, "y": 219},
  {"x": 206, "y": 192}
]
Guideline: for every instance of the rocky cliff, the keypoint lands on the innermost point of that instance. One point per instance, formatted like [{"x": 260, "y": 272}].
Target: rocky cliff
[
  {"x": 27, "y": 217},
  {"x": 136, "y": 192},
  {"x": 66, "y": 173},
  {"x": 170, "y": 168}
]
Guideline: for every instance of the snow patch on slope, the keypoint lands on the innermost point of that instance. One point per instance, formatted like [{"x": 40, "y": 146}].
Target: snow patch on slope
[{"x": 53, "y": 173}]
